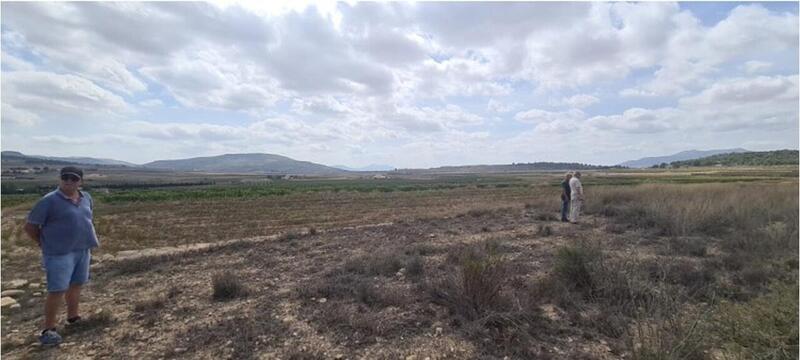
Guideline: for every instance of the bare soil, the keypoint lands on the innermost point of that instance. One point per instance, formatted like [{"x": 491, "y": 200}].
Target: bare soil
[{"x": 307, "y": 297}]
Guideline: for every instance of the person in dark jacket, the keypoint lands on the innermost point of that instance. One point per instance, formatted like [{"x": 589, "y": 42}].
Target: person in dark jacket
[{"x": 565, "y": 196}]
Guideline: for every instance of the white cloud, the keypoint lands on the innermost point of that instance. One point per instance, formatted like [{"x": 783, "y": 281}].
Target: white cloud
[
  {"x": 500, "y": 107},
  {"x": 10, "y": 62},
  {"x": 637, "y": 120},
  {"x": 10, "y": 114},
  {"x": 49, "y": 94},
  {"x": 384, "y": 76},
  {"x": 151, "y": 103},
  {"x": 755, "y": 67},
  {"x": 579, "y": 101}
]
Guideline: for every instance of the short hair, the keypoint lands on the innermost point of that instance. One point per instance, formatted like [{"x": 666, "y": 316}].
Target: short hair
[
  {"x": 568, "y": 175},
  {"x": 577, "y": 173}
]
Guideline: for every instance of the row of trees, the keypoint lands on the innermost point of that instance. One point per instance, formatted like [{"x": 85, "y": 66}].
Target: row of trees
[{"x": 755, "y": 158}]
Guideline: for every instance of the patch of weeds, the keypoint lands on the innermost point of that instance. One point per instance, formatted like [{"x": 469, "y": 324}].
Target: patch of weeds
[
  {"x": 665, "y": 332},
  {"x": 385, "y": 263},
  {"x": 290, "y": 236},
  {"x": 149, "y": 305},
  {"x": 479, "y": 212},
  {"x": 475, "y": 287},
  {"x": 227, "y": 286},
  {"x": 546, "y": 216},
  {"x": 423, "y": 249},
  {"x": 100, "y": 319},
  {"x": 763, "y": 328},
  {"x": 415, "y": 266},
  {"x": 237, "y": 337},
  {"x": 691, "y": 246},
  {"x": 335, "y": 285},
  {"x": 544, "y": 230},
  {"x": 576, "y": 265},
  {"x": 300, "y": 354},
  {"x": 615, "y": 228}
]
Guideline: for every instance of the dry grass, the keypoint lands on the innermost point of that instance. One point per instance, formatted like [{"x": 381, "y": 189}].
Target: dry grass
[{"x": 670, "y": 271}]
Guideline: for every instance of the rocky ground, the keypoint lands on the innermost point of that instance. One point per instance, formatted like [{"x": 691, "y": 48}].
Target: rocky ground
[{"x": 350, "y": 293}]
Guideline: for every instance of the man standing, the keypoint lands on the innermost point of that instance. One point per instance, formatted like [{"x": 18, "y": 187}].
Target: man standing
[
  {"x": 565, "y": 197},
  {"x": 61, "y": 224},
  {"x": 576, "y": 192}
]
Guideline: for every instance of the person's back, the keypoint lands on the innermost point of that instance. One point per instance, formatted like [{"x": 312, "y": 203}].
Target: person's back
[
  {"x": 576, "y": 192},
  {"x": 576, "y": 188},
  {"x": 565, "y": 197}
]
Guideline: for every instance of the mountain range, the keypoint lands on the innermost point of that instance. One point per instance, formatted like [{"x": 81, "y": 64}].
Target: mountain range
[
  {"x": 246, "y": 164},
  {"x": 276, "y": 164},
  {"x": 681, "y": 156}
]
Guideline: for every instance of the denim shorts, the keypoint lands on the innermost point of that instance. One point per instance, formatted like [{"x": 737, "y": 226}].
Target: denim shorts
[{"x": 67, "y": 269}]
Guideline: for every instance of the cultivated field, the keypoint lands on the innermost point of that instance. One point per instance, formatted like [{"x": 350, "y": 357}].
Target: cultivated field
[{"x": 690, "y": 264}]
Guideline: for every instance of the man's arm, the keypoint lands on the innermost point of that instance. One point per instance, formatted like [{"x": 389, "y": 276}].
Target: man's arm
[{"x": 33, "y": 232}]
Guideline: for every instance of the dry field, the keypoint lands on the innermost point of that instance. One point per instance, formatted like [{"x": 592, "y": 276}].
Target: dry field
[{"x": 654, "y": 271}]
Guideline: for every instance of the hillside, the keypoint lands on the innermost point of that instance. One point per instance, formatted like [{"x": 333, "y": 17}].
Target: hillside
[
  {"x": 760, "y": 158},
  {"x": 246, "y": 163},
  {"x": 681, "y": 156},
  {"x": 15, "y": 158}
]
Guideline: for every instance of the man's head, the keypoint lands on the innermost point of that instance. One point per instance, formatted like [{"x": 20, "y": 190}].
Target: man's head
[
  {"x": 568, "y": 175},
  {"x": 577, "y": 174},
  {"x": 71, "y": 178}
]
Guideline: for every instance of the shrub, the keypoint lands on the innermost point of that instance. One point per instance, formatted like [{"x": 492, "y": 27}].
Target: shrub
[
  {"x": 415, "y": 266},
  {"x": 544, "y": 230},
  {"x": 475, "y": 287},
  {"x": 227, "y": 286},
  {"x": 384, "y": 263},
  {"x": 152, "y": 304},
  {"x": 764, "y": 328},
  {"x": 693, "y": 246},
  {"x": 546, "y": 216},
  {"x": 576, "y": 266}
]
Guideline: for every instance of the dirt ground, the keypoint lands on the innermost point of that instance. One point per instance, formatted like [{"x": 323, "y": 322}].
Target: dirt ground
[{"x": 165, "y": 308}]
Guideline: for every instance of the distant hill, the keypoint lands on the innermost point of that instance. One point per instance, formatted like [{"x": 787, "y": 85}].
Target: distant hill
[
  {"x": 753, "y": 158},
  {"x": 15, "y": 158},
  {"x": 681, "y": 156},
  {"x": 371, "y": 167},
  {"x": 246, "y": 163},
  {"x": 516, "y": 167}
]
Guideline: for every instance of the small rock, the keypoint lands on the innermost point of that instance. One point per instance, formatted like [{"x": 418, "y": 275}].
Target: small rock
[
  {"x": 431, "y": 235},
  {"x": 323, "y": 300},
  {"x": 15, "y": 284},
  {"x": 338, "y": 357},
  {"x": 7, "y": 301},
  {"x": 180, "y": 350},
  {"x": 37, "y": 294},
  {"x": 12, "y": 293},
  {"x": 34, "y": 285},
  {"x": 438, "y": 331},
  {"x": 411, "y": 357}
]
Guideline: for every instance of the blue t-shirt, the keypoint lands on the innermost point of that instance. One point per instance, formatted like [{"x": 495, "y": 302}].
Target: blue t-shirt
[{"x": 66, "y": 226}]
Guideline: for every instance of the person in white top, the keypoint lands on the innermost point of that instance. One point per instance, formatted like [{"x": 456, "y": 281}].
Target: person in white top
[{"x": 576, "y": 194}]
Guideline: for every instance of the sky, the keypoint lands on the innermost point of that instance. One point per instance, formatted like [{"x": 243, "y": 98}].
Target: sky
[{"x": 410, "y": 85}]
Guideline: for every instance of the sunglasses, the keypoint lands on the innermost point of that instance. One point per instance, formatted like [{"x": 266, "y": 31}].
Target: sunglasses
[{"x": 70, "y": 177}]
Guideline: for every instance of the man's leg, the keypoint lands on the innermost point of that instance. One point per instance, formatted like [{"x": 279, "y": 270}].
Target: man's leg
[
  {"x": 73, "y": 298},
  {"x": 51, "y": 307}
]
